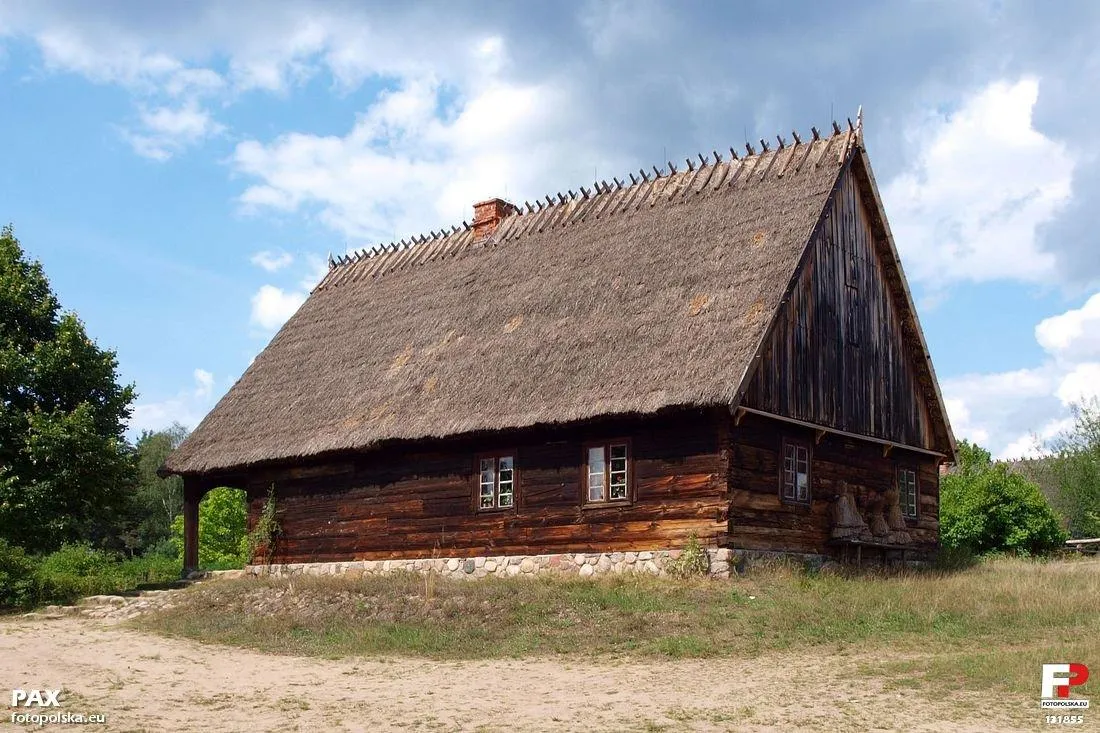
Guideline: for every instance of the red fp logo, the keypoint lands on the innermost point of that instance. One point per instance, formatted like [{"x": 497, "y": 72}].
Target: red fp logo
[{"x": 1058, "y": 678}]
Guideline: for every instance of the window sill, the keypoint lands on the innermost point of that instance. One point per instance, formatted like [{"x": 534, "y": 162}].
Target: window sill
[
  {"x": 496, "y": 510},
  {"x": 795, "y": 503},
  {"x": 606, "y": 504}
]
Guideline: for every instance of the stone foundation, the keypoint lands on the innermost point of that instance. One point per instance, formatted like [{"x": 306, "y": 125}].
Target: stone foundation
[{"x": 654, "y": 562}]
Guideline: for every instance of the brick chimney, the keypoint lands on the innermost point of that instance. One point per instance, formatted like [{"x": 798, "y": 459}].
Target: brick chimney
[{"x": 488, "y": 215}]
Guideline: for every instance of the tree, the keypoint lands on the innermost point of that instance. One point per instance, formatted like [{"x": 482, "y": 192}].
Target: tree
[
  {"x": 64, "y": 464},
  {"x": 155, "y": 501},
  {"x": 223, "y": 527},
  {"x": 1076, "y": 469},
  {"x": 985, "y": 508}
]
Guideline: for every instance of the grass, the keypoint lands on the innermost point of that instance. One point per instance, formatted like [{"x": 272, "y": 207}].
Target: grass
[{"x": 992, "y": 624}]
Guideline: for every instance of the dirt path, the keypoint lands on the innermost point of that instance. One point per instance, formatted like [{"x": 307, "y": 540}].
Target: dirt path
[{"x": 145, "y": 682}]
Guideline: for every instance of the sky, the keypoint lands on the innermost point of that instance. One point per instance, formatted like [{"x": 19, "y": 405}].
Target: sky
[{"x": 183, "y": 170}]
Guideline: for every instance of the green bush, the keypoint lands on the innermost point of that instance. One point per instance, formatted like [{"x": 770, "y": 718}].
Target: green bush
[
  {"x": 80, "y": 560},
  {"x": 78, "y": 570},
  {"x": 986, "y": 509},
  {"x": 692, "y": 561},
  {"x": 17, "y": 586},
  {"x": 75, "y": 571},
  {"x": 223, "y": 525}
]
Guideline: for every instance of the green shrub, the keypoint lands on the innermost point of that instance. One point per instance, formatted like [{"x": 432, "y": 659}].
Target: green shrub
[
  {"x": 693, "y": 560},
  {"x": 266, "y": 532},
  {"x": 80, "y": 560},
  {"x": 17, "y": 586},
  {"x": 223, "y": 525},
  {"x": 985, "y": 509},
  {"x": 71, "y": 572},
  {"x": 77, "y": 570}
]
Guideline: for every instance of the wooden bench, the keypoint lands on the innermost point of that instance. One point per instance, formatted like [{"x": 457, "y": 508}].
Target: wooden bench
[
  {"x": 884, "y": 549},
  {"x": 1091, "y": 546}
]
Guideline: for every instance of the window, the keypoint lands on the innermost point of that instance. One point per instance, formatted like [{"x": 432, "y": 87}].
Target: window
[
  {"x": 795, "y": 475},
  {"x": 497, "y": 482},
  {"x": 907, "y": 492},
  {"x": 607, "y": 472}
]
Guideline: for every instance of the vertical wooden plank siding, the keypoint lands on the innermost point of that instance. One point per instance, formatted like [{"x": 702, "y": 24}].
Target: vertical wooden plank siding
[
  {"x": 414, "y": 502},
  {"x": 838, "y": 355},
  {"x": 759, "y": 520}
]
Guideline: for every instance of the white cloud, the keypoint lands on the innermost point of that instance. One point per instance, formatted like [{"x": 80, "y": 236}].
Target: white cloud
[
  {"x": 984, "y": 180},
  {"x": 187, "y": 407},
  {"x": 1082, "y": 384},
  {"x": 166, "y": 131},
  {"x": 1073, "y": 335},
  {"x": 104, "y": 59},
  {"x": 272, "y": 261},
  {"x": 204, "y": 382},
  {"x": 1015, "y": 413},
  {"x": 406, "y": 167},
  {"x": 272, "y": 306}
]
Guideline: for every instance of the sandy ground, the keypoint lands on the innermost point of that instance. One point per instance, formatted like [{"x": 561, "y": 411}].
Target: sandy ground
[{"x": 145, "y": 682}]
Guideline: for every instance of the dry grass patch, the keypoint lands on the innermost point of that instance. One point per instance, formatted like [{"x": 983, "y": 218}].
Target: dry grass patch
[{"x": 990, "y": 625}]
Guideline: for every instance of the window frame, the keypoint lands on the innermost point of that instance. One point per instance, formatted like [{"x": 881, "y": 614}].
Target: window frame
[
  {"x": 808, "y": 446},
  {"x": 495, "y": 456},
  {"x": 898, "y": 469},
  {"x": 607, "y": 445}
]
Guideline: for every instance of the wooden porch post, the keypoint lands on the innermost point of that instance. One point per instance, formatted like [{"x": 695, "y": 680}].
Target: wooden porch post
[{"x": 192, "y": 495}]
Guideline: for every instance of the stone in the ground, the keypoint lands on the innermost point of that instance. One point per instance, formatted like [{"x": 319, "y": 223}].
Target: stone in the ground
[
  {"x": 587, "y": 570},
  {"x": 102, "y": 600}
]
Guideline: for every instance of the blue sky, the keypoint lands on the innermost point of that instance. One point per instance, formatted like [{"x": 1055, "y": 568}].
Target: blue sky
[{"x": 182, "y": 170}]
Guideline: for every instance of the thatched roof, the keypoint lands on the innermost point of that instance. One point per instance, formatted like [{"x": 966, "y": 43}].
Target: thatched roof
[{"x": 619, "y": 300}]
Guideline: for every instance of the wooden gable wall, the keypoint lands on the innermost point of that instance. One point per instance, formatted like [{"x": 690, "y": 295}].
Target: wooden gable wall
[{"x": 838, "y": 355}]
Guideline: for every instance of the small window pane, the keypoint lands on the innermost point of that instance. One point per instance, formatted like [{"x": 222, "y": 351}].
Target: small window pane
[
  {"x": 595, "y": 487},
  {"x": 795, "y": 472},
  {"x": 596, "y": 468},
  {"x": 618, "y": 485},
  {"x": 595, "y": 460},
  {"x": 618, "y": 451},
  {"x": 907, "y": 489}
]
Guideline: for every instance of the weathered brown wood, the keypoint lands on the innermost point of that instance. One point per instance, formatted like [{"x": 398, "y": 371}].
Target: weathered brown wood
[
  {"x": 759, "y": 520},
  {"x": 413, "y": 501},
  {"x": 840, "y": 355},
  {"x": 193, "y": 491}
]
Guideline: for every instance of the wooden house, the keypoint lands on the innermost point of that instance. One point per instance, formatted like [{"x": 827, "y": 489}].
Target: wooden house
[{"x": 725, "y": 349}]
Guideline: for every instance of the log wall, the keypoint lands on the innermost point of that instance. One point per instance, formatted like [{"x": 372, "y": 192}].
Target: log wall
[
  {"x": 760, "y": 520},
  {"x": 398, "y": 503}
]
